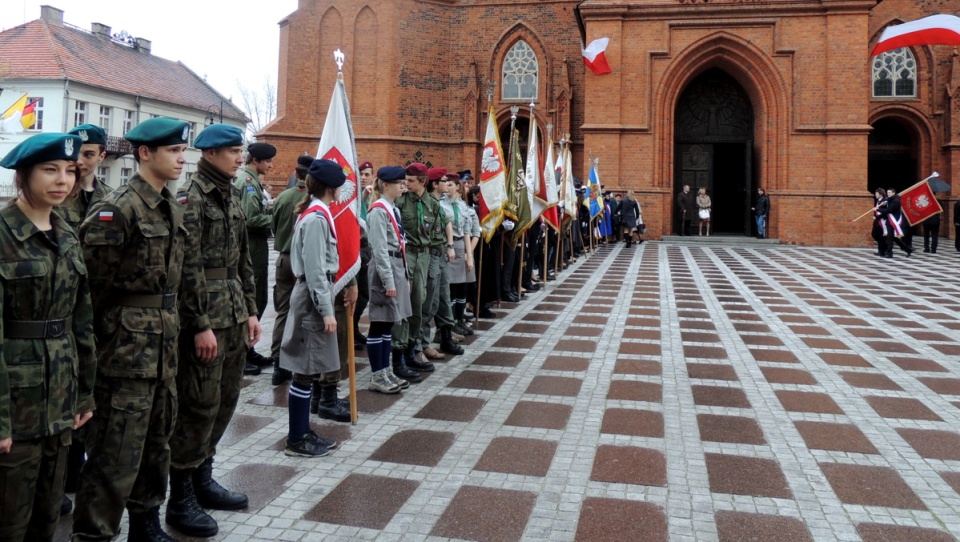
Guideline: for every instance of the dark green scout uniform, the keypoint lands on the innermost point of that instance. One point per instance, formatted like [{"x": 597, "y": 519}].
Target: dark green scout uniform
[
  {"x": 438, "y": 281},
  {"x": 283, "y": 220},
  {"x": 259, "y": 219},
  {"x": 74, "y": 209},
  {"x": 421, "y": 216}
]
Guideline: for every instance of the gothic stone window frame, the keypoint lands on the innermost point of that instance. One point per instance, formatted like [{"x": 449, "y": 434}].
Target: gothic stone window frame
[
  {"x": 520, "y": 73},
  {"x": 894, "y": 74}
]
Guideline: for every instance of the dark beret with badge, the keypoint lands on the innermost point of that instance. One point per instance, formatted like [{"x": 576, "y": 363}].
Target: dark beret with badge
[
  {"x": 159, "y": 132},
  {"x": 391, "y": 174},
  {"x": 90, "y": 134},
  {"x": 327, "y": 173},
  {"x": 416, "y": 169},
  {"x": 262, "y": 151},
  {"x": 217, "y": 136},
  {"x": 365, "y": 165},
  {"x": 43, "y": 148}
]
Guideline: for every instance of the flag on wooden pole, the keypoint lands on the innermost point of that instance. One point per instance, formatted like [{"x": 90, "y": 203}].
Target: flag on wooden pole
[
  {"x": 493, "y": 192},
  {"x": 918, "y": 203}
]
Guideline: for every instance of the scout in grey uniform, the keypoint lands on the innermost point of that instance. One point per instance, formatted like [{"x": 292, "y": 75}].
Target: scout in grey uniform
[
  {"x": 389, "y": 291},
  {"x": 309, "y": 348},
  {"x": 460, "y": 267},
  {"x": 47, "y": 357}
]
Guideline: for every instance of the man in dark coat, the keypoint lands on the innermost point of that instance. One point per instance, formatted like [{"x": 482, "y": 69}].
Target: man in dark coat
[{"x": 686, "y": 208}]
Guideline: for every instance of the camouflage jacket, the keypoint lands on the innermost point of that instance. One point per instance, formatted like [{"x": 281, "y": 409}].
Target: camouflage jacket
[
  {"x": 259, "y": 217},
  {"x": 74, "y": 209},
  {"x": 283, "y": 216},
  {"x": 135, "y": 244},
  {"x": 43, "y": 382},
  {"x": 219, "y": 226}
]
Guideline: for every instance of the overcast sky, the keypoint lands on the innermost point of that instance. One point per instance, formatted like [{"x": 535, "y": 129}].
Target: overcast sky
[{"x": 223, "y": 40}]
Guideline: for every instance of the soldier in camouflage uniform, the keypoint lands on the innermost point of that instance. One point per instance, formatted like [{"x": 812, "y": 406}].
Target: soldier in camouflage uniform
[
  {"x": 92, "y": 189},
  {"x": 216, "y": 333},
  {"x": 255, "y": 202},
  {"x": 136, "y": 249},
  {"x": 47, "y": 358}
]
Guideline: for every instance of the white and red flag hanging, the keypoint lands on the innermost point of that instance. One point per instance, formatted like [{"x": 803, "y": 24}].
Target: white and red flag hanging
[
  {"x": 595, "y": 56},
  {"x": 548, "y": 187},
  {"x": 493, "y": 188},
  {"x": 337, "y": 144},
  {"x": 933, "y": 30},
  {"x": 918, "y": 203}
]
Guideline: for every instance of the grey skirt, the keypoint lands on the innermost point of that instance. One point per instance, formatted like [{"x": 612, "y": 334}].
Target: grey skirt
[
  {"x": 457, "y": 268},
  {"x": 305, "y": 348},
  {"x": 389, "y": 309}
]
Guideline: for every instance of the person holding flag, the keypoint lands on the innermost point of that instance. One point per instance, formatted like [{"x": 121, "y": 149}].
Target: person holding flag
[{"x": 891, "y": 214}]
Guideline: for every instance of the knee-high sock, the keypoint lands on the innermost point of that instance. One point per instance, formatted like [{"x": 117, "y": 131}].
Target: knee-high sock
[
  {"x": 299, "y": 407},
  {"x": 385, "y": 353}
]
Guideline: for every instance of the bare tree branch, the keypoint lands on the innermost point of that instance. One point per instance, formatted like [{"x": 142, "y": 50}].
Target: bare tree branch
[{"x": 259, "y": 104}]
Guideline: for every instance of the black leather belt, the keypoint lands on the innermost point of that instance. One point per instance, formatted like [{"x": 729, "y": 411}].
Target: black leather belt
[
  {"x": 436, "y": 251},
  {"x": 332, "y": 277},
  {"x": 418, "y": 249},
  {"x": 220, "y": 273},
  {"x": 161, "y": 301},
  {"x": 395, "y": 253},
  {"x": 455, "y": 238},
  {"x": 36, "y": 329}
]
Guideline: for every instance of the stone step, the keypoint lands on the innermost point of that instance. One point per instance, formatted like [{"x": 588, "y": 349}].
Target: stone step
[{"x": 720, "y": 240}]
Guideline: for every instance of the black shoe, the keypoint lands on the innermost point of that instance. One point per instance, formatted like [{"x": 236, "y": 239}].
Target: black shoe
[
  {"x": 307, "y": 447},
  {"x": 511, "y": 297},
  {"x": 251, "y": 370},
  {"x": 487, "y": 313},
  {"x": 146, "y": 526},
  {"x": 447, "y": 345},
  {"x": 330, "y": 407},
  {"x": 280, "y": 375},
  {"x": 926, "y": 251},
  {"x": 398, "y": 361},
  {"x": 66, "y": 505},
  {"x": 888, "y": 255},
  {"x": 183, "y": 511},
  {"x": 258, "y": 359},
  {"x": 211, "y": 494},
  {"x": 909, "y": 252},
  {"x": 359, "y": 340},
  {"x": 325, "y": 442},
  {"x": 530, "y": 288}
]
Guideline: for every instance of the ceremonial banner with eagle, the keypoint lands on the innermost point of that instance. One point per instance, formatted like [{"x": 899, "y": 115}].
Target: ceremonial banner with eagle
[{"x": 492, "y": 180}]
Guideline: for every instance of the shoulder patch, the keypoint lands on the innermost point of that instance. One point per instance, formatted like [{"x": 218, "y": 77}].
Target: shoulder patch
[
  {"x": 251, "y": 189},
  {"x": 182, "y": 198}
]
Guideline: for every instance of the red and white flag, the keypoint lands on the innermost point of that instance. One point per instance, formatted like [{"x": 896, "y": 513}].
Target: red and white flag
[
  {"x": 595, "y": 57},
  {"x": 548, "y": 188},
  {"x": 933, "y": 30},
  {"x": 493, "y": 179},
  {"x": 918, "y": 203},
  {"x": 337, "y": 143},
  {"x": 531, "y": 178}
]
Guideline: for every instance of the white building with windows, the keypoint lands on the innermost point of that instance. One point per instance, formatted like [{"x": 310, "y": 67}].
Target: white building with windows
[{"x": 77, "y": 76}]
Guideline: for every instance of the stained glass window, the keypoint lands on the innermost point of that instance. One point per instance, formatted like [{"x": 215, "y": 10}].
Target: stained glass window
[
  {"x": 520, "y": 73},
  {"x": 895, "y": 74}
]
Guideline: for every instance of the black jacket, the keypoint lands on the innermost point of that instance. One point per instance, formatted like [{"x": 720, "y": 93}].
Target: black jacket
[{"x": 763, "y": 206}]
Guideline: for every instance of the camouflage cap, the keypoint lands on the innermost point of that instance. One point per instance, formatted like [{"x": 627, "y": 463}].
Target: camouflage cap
[
  {"x": 217, "y": 136},
  {"x": 43, "y": 148},
  {"x": 90, "y": 134},
  {"x": 159, "y": 132}
]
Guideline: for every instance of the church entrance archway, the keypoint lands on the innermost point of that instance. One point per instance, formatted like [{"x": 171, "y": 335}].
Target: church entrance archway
[
  {"x": 892, "y": 155},
  {"x": 713, "y": 149}
]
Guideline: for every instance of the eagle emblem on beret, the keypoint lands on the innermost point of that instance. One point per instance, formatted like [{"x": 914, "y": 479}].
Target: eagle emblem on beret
[
  {"x": 186, "y": 133},
  {"x": 83, "y": 135},
  {"x": 68, "y": 147}
]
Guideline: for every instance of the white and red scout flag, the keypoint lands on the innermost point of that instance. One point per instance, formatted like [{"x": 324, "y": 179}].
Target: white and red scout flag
[
  {"x": 531, "y": 178},
  {"x": 493, "y": 179},
  {"x": 569, "y": 190},
  {"x": 595, "y": 56},
  {"x": 933, "y": 30},
  {"x": 918, "y": 203},
  {"x": 548, "y": 188},
  {"x": 337, "y": 143}
]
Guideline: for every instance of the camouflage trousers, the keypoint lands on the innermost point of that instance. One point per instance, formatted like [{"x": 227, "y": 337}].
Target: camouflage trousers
[
  {"x": 437, "y": 304},
  {"x": 128, "y": 454},
  {"x": 407, "y": 330},
  {"x": 282, "y": 288},
  {"x": 31, "y": 486},
  {"x": 207, "y": 396}
]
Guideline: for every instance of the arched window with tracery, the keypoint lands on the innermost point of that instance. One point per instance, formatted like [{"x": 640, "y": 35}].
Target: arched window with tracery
[
  {"x": 520, "y": 73},
  {"x": 895, "y": 74}
]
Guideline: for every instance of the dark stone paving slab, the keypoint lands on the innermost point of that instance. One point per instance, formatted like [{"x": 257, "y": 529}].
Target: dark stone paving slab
[
  {"x": 415, "y": 447},
  {"x": 479, "y": 380},
  {"x": 527, "y": 457},
  {"x": 340, "y": 506},
  {"x": 743, "y": 526},
  {"x": 453, "y": 409},
  {"x": 835, "y": 436},
  {"x": 746, "y": 476},
  {"x": 614, "y": 519},
  {"x": 871, "y": 486},
  {"x": 541, "y": 415},
  {"x": 504, "y": 518},
  {"x": 627, "y": 390},
  {"x": 554, "y": 385},
  {"x": 878, "y": 532},
  {"x": 640, "y": 423},
  {"x": 629, "y": 465},
  {"x": 736, "y": 429}
]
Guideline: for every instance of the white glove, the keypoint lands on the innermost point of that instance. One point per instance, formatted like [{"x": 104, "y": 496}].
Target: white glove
[{"x": 508, "y": 225}]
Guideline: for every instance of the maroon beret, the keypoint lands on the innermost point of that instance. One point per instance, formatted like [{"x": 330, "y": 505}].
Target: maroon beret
[
  {"x": 416, "y": 169},
  {"x": 365, "y": 165},
  {"x": 436, "y": 173},
  {"x": 453, "y": 177}
]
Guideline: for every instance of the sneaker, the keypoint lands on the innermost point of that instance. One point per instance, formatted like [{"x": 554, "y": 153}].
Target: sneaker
[
  {"x": 462, "y": 329},
  {"x": 325, "y": 442},
  {"x": 307, "y": 447},
  {"x": 394, "y": 379},
  {"x": 379, "y": 383}
]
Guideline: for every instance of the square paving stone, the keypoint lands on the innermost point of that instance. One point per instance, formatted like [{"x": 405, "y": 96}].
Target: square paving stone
[
  {"x": 638, "y": 423},
  {"x": 778, "y": 375},
  {"x": 644, "y": 322},
  {"x": 499, "y": 359},
  {"x": 242, "y": 426},
  {"x": 744, "y": 526},
  {"x": 636, "y": 367},
  {"x": 870, "y": 486},
  {"x": 591, "y": 320},
  {"x": 479, "y": 380},
  {"x": 902, "y": 408},
  {"x": 524, "y": 456},
  {"x": 735, "y": 429},
  {"x": 711, "y": 371},
  {"x": 943, "y": 386},
  {"x": 826, "y": 344},
  {"x": 761, "y": 340},
  {"x": 554, "y": 385},
  {"x": 540, "y": 316},
  {"x": 513, "y": 341},
  {"x": 890, "y": 346},
  {"x": 879, "y": 532},
  {"x": 415, "y": 447},
  {"x": 529, "y": 328},
  {"x": 566, "y": 363},
  {"x": 584, "y": 331},
  {"x": 773, "y": 356},
  {"x": 705, "y": 352},
  {"x": 696, "y": 324},
  {"x": 276, "y": 396},
  {"x": 808, "y": 401},
  {"x": 874, "y": 381},
  {"x": 451, "y": 409},
  {"x": 628, "y": 390},
  {"x": 703, "y": 315},
  {"x": 917, "y": 364},
  {"x": 504, "y": 518},
  {"x": 952, "y": 478},
  {"x": 933, "y": 444},
  {"x": 869, "y": 332},
  {"x": 602, "y": 520},
  {"x": 645, "y": 334},
  {"x": 746, "y": 476},
  {"x": 720, "y": 396},
  {"x": 262, "y": 483},
  {"x": 645, "y": 311},
  {"x": 838, "y": 437},
  {"x": 640, "y": 349},
  {"x": 759, "y": 328},
  {"x": 809, "y": 330},
  {"x": 629, "y": 465},
  {"x": 845, "y": 360},
  {"x": 573, "y": 345},
  {"x": 694, "y": 337},
  {"x": 538, "y": 414},
  {"x": 342, "y": 506},
  {"x": 371, "y": 402}
]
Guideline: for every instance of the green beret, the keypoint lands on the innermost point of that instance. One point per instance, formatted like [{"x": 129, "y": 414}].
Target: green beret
[
  {"x": 159, "y": 132},
  {"x": 90, "y": 134},
  {"x": 217, "y": 136},
  {"x": 43, "y": 148}
]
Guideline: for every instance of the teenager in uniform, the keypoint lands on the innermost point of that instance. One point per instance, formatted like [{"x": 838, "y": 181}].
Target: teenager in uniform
[
  {"x": 363, "y": 286},
  {"x": 218, "y": 325},
  {"x": 460, "y": 268},
  {"x": 47, "y": 357},
  {"x": 255, "y": 202},
  {"x": 136, "y": 250}
]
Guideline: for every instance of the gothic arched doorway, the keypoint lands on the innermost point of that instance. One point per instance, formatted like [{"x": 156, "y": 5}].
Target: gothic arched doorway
[
  {"x": 713, "y": 148},
  {"x": 892, "y": 155}
]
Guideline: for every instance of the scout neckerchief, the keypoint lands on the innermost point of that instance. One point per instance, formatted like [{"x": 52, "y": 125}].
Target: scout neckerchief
[
  {"x": 321, "y": 209},
  {"x": 397, "y": 227}
]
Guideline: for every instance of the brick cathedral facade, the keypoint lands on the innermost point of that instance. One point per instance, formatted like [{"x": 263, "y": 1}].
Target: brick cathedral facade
[{"x": 725, "y": 94}]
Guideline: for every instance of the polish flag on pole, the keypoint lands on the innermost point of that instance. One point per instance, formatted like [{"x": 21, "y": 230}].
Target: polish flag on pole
[
  {"x": 918, "y": 203},
  {"x": 595, "y": 58},
  {"x": 548, "y": 188},
  {"x": 337, "y": 144},
  {"x": 932, "y": 30},
  {"x": 493, "y": 180}
]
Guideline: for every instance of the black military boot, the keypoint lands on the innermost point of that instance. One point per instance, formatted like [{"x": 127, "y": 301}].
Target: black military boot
[
  {"x": 146, "y": 526},
  {"x": 330, "y": 406},
  {"x": 315, "y": 398},
  {"x": 401, "y": 370},
  {"x": 212, "y": 495},
  {"x": 183, "y": 511},
  {"x": 258, "y": 359},
  {"x": 447, "y": 344},
  {"x": 280, "y": 376}
]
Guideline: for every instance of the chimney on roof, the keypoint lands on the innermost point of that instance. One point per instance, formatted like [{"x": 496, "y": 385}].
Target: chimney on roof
[
  {"x": 142, "y": 45},
  {"x": 51, "y": 15},
  {"x": 100, "y": 30}
]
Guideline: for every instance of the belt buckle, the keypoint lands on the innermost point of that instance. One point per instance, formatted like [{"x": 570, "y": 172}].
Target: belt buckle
[
  {"x": 55, "y": 328},
  {"x": 169, "y": 300}
]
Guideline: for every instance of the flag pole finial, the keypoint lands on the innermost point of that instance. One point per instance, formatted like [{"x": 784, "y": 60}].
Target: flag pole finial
[
  {"x": 514, "y": 109},
  {"x": 339, "y": 57}
]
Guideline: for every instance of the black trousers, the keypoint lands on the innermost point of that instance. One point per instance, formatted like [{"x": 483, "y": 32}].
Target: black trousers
[{"x": 931, "y": 237}]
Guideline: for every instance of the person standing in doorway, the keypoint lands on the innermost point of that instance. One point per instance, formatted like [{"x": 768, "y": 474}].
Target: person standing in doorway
[
  {"x": 704, "y": 206},
  {"x": 686, "y": 208},
  {"x": 760, "y": 212}
]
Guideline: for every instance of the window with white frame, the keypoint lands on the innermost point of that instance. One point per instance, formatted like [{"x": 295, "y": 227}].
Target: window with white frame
[
  {"x": 128, "y": 118},
  {"x": 895, "y": 74},
  {"x": 37, "y": 113},
  {"x": 105, "y": 117},
  {"x": 79, "y": 113},
  {"x": 125, "y": 174},
  {"x": 520, "y": 73},
  {"x": 193, "y": 133},
  {"x": 103, "y": 173}
]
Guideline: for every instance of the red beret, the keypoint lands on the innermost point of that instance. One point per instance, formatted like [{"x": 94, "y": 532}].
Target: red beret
[
  {"x": 365, "y": 165},
  {"x": 453, "y": 177},
  {"x": 436, "y": 173},
  {"x": 416, "y": 169}
]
